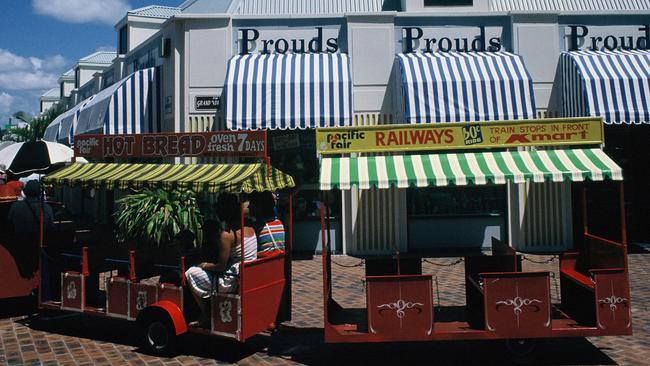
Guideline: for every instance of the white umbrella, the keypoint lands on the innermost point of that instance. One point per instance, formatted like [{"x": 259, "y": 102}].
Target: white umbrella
[
  {"x": 42, "y": 157},
  {"x": 4, "y": 144}
]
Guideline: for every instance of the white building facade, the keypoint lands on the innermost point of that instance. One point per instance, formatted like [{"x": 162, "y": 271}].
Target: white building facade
[{"x": 191, "y": 47}]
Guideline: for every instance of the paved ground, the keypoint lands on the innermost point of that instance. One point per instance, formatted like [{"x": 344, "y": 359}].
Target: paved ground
[{"x": 71, "y": 339}]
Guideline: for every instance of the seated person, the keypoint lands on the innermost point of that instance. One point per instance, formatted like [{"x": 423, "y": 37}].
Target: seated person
[
  {"x": 270, "y": 237},
  {"x": 206, "y": 278},
  {"x": 10, "y": 189},
  {"x": 24, "y": 220}
]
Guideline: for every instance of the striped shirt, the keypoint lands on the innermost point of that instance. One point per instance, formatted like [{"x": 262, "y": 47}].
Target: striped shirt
[{"x": 271, "y": 237}]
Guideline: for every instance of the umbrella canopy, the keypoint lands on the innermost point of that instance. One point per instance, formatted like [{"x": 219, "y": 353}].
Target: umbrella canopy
[
  {"x": 25, "y": 158},
  {"x": 4, "y": 144}
]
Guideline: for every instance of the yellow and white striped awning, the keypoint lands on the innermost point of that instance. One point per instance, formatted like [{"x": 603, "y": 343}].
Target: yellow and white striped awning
[
  {"x": 461, "y": 169},
  {"x": 233, "y": 178}
]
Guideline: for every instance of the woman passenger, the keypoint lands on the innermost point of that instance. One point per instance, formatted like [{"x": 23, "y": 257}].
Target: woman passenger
[
  {"x": 207, "y": 278},
  {"x": 270, "y": 229}
]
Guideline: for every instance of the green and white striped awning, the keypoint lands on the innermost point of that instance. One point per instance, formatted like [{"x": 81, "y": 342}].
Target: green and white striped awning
[
  {"x": 213, "y": 178},
  {"x": 461, "y": 169}
]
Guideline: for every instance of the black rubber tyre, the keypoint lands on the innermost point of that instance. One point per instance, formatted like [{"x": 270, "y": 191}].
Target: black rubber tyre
[
  {"x": 158, "y": 337},
  {"x": 521, "y": 350}
]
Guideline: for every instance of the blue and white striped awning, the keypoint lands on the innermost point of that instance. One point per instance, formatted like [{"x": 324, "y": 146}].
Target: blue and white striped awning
[
  {"x": 614, "y": 85},
  {"x": 290, "y": 91},
  {"x": 129, "y": 106},
  {"x": 69, "y": 122},
  {"x": 62, "y": 128},
  {"x": 465, "y": 87},
  {"x": 52, "y": 130}
]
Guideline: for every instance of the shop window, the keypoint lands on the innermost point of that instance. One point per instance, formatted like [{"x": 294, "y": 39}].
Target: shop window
[
  {"x": 448, "y": 2},
  {"x": 123, "y": 43},
  {"x": 108, "y": 80},
  {"x": 450, "y": 201},
  {"x": 294, "y": 152}
]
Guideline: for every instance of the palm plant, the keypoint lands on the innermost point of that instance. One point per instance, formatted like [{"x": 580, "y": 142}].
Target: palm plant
[
  {"x": 36, "y": 126},
  {"x": 155, "y": 217}
]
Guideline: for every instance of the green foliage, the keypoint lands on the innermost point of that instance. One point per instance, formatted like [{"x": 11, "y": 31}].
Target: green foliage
[
  {"x": 150, "y": 218},
  {"x": 37, "y": 125}
]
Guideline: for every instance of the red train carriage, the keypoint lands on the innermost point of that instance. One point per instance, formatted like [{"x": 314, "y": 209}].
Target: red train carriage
[
  {"x": 502, "y": 300},
  {"x": 15, "y": 284},
  {"x": 70, "y": 277}
]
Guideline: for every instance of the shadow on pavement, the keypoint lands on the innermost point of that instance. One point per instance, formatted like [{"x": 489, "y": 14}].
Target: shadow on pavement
[
  {"x": 82, "y": 326},
  {"x": 126, "y": 333},
  {"x": 634, "y": 248},
  {"x": 17, "y": 306},
  {"x": 306, "y": 346}
]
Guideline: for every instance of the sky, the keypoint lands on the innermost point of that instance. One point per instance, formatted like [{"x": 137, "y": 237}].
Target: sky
[{"x": 41, "y": 39}]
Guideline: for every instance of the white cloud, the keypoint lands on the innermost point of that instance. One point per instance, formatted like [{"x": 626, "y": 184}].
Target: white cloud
[
  {"x": 11, "y": 62},
  {"x": 23, "y": 79},
  {"x": 27, "y": 80},
  {"x": 105, "y": 48},
  {"x": 83, "y": 11},
  {"x": 29, "y": 73},
  {"x": 6, "y": 102}
]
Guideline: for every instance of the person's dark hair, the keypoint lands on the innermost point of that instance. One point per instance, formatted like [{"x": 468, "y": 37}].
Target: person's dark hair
[
  {"x": 263, "y": 204},
  {"x": 185, "y": 236},
  {"x": 228, "y": 209},
  {"x": 211, "y": 226},
  {"x": 31, "y": 189}
]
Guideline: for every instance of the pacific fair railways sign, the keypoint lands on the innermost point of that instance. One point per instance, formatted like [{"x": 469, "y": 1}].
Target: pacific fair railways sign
[{"x": 453, "y": 136}]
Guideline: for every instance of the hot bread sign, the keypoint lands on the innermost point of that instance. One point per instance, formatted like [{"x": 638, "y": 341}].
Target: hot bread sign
[{"x": 162, "y": 145}]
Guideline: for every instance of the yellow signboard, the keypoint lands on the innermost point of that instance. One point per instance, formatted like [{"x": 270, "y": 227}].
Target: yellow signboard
[{"x": 454, "y": 136}]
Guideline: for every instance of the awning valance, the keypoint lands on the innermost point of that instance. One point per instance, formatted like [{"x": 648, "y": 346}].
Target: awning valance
[
  {"x": 288, "y": 91},
  {"x": 128, "y": 106},
  {"x": 69, "y": 122},
  {"x": 614, "y": 85},
  {"x": 213, "y": 178},
  {"x": 461, "y": 169},
  {"x": 62, "y": 128},
  {"x": 52, "y": 130},
  {"x": 465, "y": 87}
]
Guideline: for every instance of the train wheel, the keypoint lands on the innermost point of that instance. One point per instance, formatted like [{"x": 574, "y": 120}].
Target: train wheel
[
  {"x": 158, "y": 337},
  {"x": 521, "y": 349}
]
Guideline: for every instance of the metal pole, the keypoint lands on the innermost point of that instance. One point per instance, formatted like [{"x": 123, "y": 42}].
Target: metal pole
[
  {"x": 84, "y": 262},
  {"x": 585, "y": 225},
  {"x": 183, "y": 271},
  {"x": 41, "y": 241},
  {"x": 622, "y": 213},
  {"x": 241, "y": 265},
  {"x": 132, "y": 275},
  {"x": 290, "y": 242},
  {"x": 267, "y": 158},
  {"x": 324, "y": 260}
]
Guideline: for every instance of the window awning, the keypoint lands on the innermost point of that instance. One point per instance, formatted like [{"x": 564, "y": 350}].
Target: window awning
[
  {"x": 614, "y": 85},
  {"x": 62, "y": 128},
  {"x": 461, "y": 169},
  {"x": 128, "y": 106},
  {"x": 52, "y": 130},
  {"x": 465, "y": 87},
  {"x": 213, "y": 178},
  {"x": 70, "y": 121},
  {"x": 288, "y": 91}
]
